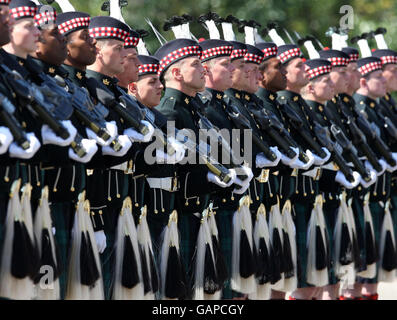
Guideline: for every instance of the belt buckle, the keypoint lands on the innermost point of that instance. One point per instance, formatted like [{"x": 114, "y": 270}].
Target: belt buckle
[
  {"x": 89, "y": 172},
  {"x": 294, "y": 172}
]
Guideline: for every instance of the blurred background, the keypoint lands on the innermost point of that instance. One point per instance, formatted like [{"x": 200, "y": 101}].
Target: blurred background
[{"x": 308, "y": 17}]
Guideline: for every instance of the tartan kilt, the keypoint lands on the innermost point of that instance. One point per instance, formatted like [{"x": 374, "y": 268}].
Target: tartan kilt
[
  {"x": 330, "y": 209},
  {"x": 301, "y": 219},
  {"x": 393, "y": 208},
  {"x": 377, "y": 214},
  {"x": 63, "y": 219},
  {"x": 224, "y": 221},
  {"x": 358, "y": 214}
]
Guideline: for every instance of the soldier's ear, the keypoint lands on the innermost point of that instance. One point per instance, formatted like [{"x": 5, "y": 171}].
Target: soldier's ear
[
  {"x": 176, "y": 73},
  {"x": 363, "y": 82},
  {"x": 132, "y": 88}
]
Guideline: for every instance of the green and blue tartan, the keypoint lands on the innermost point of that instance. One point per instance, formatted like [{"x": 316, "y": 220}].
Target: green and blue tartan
[
  {"x": 377, "y": 213},
  {"x": 301, "y": 219},
  {"x": 330, "y": 209},
  {"x": 63, "y": 219}
]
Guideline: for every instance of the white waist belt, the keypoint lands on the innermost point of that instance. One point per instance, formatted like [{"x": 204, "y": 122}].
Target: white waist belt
[{"x": 161, "y": 183}]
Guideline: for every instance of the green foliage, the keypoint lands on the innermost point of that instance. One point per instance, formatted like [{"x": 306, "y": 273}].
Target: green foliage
[{"x": 305, "y": 16}]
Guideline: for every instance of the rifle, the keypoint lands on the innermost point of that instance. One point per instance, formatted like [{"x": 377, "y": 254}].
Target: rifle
[
  {"x": 149, "y": 117},
  {"x": 33, "y": 98},
  {"x": 347, "y": 146},
  {"x": 7, "y": 110},
  {"x": 93, "y": 116},
  {"x": 297, "y": 123},
  {"x": 322, "y": 135},
  {"x": 130, "y": 113},
  {"x": 275, "y": 129},
  {"x": 241, "y": 122},
  {"x": 378, "y": 143}
]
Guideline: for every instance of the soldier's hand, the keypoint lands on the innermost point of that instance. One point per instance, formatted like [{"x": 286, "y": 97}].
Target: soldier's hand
[
  {"x": 139, "y": 137},
  {"x": 90, "y": 148},
  {"x": 374, "y": 177},
  {"x": 49, "y": 136},
  {"x": 287, "y": 161},
  {"x": 297, "y": 164},
  {"x": 244, "y": 184},
  {"x": 340, "y": 178},
  {"x": 176, "y": 157},
  {"x": 17, "y": 152},
  {"x": 318, "y": 161},
  {"x": 125, "y": 143},
  {"x": 262, "y": 162},
  {"x": 100, "y": 239},
  {"x": 111, "y": 129},
  {"x": 6, "y": 139},
  {"x": 215, "y": 179}
]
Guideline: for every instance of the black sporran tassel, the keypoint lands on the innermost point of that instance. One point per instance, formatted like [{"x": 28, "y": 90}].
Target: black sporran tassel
[
  {"x": 247, "y": 260},
  {"x": 389, "y": 261},
  {"x": 211, "y": 281},
  {"x": 175, "y": 281},
  {"x": 371, "y": 254},
  {"x": 145, "y": 270},
  {"x": 220, "y": 261},
  {"x": 346, "y": 250},
  {"x": 263, "y": 263},
  {"x": 23, "y": 252},
  {"x": 154, "y": 275},
  {"x": 277, "y": 256},
  {"x": 321, "y": 251},
  {"x": 130, "y": 277},
  {"x": 88, "y": 268},
  {"x": 288, "y": 263}
]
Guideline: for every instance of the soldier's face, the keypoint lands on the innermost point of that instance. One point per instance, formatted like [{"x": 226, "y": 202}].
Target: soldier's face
[
  {"x": 25, "y": 35},
  {"x": 220, "y": 73},
  {"x": 274, "y": 76},
  {"x": 193, "y": 74},
  {"x": 5, "y": 23},
  {"x": 131, "y": 67},
  {"x": 52, "y": 46},
  {"x": 376, "y": 84},
  {"x": 339, "y": 77},
  {"x": 240, "y": 77},
  {"x": 148, "y": 90},
  {"x": 296, "y": 73},
  {"x": 354, "y": 78},
  {"x": 323, "y": 88},
  {"x": 390, "y": 74},
  {"x": 81, "y": 48},
  {"x": 113, "y": 55},
  {"x": 254, "y": 78}
]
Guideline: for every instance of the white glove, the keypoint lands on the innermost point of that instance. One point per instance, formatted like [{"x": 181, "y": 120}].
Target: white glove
[
  {"x": 49, "y": 136},
  {"x": 340, "y": 178},
  {"x": 244, "y": 184},
  {"x": 214, "y": 179},
  {"x": 90, "y": 148},
  {"x": 125, "y": 143},
  {"x": 287, "y": 161},
  {"x": 262, "y": 162},
  {"x": 381, "y": 162},
  {"x": 320, "y": 161},
  {"x": 139, "y": 137},
  {"x": 390, "y": 168},
  {"x": 373, "y": 176},
  {"x": 17, "y": 152},
  {"x": 53, "y": 230},
  {"x": 100, "y": 239},
  {"x": 5, "y": 139},
  {"x": 178, "y": 156},
  {"x": 112, "y": 130},
  {"x": 297, "y": 164}
]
